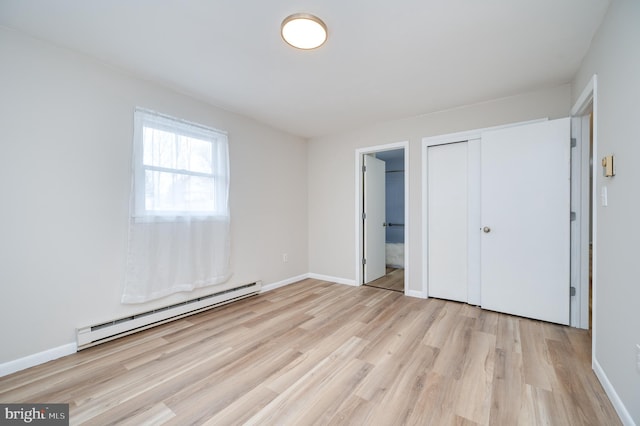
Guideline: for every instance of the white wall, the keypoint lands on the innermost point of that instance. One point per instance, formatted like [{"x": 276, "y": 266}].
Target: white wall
[
  {"x": 66, "y": 126},
  {"x": 332, "y": 180},
  {"x": 615, "y": 57}
]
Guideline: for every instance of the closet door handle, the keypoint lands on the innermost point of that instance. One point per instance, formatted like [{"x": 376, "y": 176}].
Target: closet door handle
[{"x": 486, "y": 229}]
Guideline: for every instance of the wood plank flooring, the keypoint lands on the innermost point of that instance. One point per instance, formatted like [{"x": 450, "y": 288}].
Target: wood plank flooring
[
  {"x": 393, "y": 280},
  {"x": 321, "y": 353}
]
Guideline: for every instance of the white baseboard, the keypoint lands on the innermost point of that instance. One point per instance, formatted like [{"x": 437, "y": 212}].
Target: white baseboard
[
  {"x": 617, "y": 403},
  {"x": 71, "y": 348},
  {"x": 37, "y": 359},
  {"x": 292, "y": 280},
  {"x": 338, "y": 280},
  {"x": 415, "y": 293},
  {"x": 283, "y": 283}
]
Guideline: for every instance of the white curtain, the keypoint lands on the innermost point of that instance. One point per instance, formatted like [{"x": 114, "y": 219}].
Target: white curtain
[{"x": 179, "y": 229}]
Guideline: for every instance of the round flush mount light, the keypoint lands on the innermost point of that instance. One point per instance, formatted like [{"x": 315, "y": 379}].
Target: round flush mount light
[{"x": 303, "y": 31}]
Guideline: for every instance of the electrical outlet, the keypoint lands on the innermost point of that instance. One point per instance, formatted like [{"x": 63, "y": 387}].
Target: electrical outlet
[
  {"x": 285, "y": 257},
  {"x": 638, "y": 358}
]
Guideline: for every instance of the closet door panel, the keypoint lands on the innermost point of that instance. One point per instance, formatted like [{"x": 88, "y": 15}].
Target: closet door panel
[
  {"x": 447, "y": 175},
  {"x": 525, "y": 216}
]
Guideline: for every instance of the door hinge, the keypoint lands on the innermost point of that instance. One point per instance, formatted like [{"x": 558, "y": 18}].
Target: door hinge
[
  {"x": 574, "y": 142},
  {"x": 573, "y": 216},
  {"x": 364, "y": 169},
  {"x": 364, "y": 215},
  {"x": 364, "y": 261},
  {"x": 573, "y": 291}
]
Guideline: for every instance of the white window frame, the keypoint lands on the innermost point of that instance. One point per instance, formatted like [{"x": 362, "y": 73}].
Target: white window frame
[{"x": 142, "y": 119}]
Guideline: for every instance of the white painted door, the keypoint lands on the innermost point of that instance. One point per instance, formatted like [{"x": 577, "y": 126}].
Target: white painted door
[
  {"x": 525, "y": 215},
  {"x": 374, "y": 219},
  {"x": 448, "y": 211}
]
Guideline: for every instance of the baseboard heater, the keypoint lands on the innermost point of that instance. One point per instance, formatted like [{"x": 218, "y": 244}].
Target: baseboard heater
[{"x": 99, "y": 333}]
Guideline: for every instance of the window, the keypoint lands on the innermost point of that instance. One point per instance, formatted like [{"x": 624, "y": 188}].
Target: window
[
  {"x": 181, "y": 168},
  {"x": 179, "y": 229}
]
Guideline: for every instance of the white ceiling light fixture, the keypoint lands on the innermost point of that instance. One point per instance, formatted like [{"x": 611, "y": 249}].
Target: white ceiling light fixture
[{"x": 303, "y": 31}]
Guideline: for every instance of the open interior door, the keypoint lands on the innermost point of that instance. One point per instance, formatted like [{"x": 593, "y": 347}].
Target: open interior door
[{"x": 374, "y": 263}]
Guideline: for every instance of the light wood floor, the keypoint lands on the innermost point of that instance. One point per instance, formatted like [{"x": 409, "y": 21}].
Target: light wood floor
[
  {"x": 393, "y": 280},
  {"x": 321, "y": 353}
]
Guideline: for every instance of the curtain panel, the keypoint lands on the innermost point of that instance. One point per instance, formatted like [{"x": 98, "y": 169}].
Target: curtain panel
[{"x": 179, "y": 224}]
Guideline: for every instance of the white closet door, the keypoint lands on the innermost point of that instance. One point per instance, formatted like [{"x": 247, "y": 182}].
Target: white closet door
[
  {"x": 525, "y": 183},
  {"x": 447, "y": 221}
]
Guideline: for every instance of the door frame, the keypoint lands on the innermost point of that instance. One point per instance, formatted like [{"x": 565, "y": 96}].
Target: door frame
[
  {"x": 473, "y": 137},
  {"x": 586, "y": 102},
  {"x": 359, "y": 234}
]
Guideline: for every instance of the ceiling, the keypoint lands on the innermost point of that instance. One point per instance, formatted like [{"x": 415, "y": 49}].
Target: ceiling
[{"x": 383, "y": 60}]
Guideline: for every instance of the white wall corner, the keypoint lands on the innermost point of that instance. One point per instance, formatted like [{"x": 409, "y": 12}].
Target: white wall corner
[
  {"x": 617, "y": 403},
  {"x": 337, "y": 280},
  {"x": 283, "y": 283},
  {"x": 37, "y": 359}
]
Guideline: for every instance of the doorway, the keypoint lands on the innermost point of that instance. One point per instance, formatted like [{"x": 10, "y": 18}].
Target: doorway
[
  {"x": 381, "y": 240},
  {"x": 393, "y": 222}
]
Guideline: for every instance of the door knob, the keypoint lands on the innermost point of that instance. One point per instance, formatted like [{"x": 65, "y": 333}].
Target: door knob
[{"x": 486, "y": 229}]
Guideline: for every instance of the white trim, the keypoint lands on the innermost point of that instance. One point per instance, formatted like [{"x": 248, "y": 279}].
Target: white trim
[
  {"x": 464, "y": 136},
  {"x": 424, "y": 284},
  {"x": 580, "y": 227},
  {"x": 585, "y": 98},
  {"x": 37, "y": 359},
  {"x": 589, "y": 96},
  {"x": 330, "y": 279},
  {"x": 585, "y": 207},
  {"x": 617, "y": 403},
  {"x": 359, "y": 153},
  {"x": 407, "y": 222},
  {"x": 474, "y": 296},
  {"x": 472, "y": 134},
  {"x": 594, "y": 223},
  {"x": 278, "y": 284},
  {"x": 416, "y": 293},
  {"x": 219, "y": 175},
  {"x": 293, "y": 280}
]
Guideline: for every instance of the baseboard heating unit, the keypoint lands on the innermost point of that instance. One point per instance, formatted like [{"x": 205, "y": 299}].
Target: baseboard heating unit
[{"x": 99, "y": 333}]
